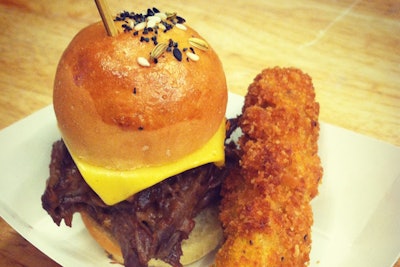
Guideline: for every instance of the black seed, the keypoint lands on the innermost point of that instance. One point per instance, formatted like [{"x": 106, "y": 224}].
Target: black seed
[
  {"x": 177, "y": 54},
  {"x": 180, "y": 20},
  {"x": 167, "y": 26},
  {"x": 150, "y": 12},
  {"x": 126, "y": 27}
]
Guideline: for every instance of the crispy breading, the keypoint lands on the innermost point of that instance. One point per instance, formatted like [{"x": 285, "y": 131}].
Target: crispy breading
[{"x": 266, "y": 211}]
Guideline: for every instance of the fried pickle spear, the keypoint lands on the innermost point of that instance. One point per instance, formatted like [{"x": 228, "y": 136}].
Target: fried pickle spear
[{"x": 265, "y": 211}]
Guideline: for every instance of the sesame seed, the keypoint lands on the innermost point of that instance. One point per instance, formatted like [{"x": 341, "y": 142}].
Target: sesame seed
[
  {"x": 180, "y": 20},
  {"x": 126, "y": 27},
  {"x": 151, "y": 23},
  {"x": 150, "y": 12},
  {"x": 167, "y": 26},
  {"x": 154, "y": 18},
  {"x": 192, "y": 56},
  {"x": 181, "y": 26},
  {"x": 140, "y": 26},
  {"x": 144, "y": 39},
  {"x": 143, "y": 62},
  {"x": 161, "y": 15},
  {"x": 171, "y": 43},
  {"x": 161, "y": 26}
]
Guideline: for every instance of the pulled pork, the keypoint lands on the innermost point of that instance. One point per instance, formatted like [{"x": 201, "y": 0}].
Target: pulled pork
[{"x": 150, "y": 224}]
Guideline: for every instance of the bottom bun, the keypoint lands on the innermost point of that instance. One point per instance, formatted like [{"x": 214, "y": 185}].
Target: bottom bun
[{"x": 204, "y": 238}]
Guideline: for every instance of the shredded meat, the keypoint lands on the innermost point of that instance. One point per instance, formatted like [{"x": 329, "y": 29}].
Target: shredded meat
[{"x": 150, "y": 224}]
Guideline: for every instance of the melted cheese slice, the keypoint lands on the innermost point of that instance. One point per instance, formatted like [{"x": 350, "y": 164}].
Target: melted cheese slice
[{"x": 113, "y": 186}]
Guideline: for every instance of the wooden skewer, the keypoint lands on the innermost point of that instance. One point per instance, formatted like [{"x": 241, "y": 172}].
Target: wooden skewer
[{"x": 104, "y": 11}]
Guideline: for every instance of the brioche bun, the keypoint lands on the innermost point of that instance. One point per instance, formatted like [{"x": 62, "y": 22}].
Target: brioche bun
[
  {"x": 115, "y": 113},
  {"x": 205, "y": 237}
]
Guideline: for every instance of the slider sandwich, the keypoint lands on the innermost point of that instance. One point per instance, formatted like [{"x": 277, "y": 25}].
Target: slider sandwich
[{"x": 142, "y": 121}]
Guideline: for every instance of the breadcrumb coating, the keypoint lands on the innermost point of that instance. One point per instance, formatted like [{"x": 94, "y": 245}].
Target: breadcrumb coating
[{"x": 265, "y": 210}]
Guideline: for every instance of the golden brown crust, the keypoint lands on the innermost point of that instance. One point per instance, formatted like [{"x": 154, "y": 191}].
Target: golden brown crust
[
  {"x": 265, "y": 210},
  {"x": 115, "y": 113},
  {"x": 205, "y": 237}
]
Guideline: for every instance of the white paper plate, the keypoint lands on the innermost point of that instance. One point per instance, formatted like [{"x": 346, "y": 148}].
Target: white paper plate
[{"x": 356, "y": 215}]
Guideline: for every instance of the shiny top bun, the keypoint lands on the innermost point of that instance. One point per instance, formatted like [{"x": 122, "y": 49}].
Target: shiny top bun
[{"x": 121, "y": 104}]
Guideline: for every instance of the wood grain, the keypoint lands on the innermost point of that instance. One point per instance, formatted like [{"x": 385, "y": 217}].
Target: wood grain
[
  {"x": 16, "y": 251},
  {"x": 351, "y": 49}
]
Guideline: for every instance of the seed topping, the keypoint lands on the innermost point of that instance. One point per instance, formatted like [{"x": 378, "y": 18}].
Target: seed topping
[
  {"x": 158, "y": 50},
  {"x": 198, "y": 43},
  {"x": 147, "y": 26},
  {"x": 177, "y": 53},
  {"x": 181, "y": 26},
  {"x": 140, "y": 26},
  {"x": 142, "y": 61},
  {"x": 192, "y": 56}
]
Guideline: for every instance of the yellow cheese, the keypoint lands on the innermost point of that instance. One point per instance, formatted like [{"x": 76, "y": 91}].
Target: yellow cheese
[{"x": 113, "y": 186}]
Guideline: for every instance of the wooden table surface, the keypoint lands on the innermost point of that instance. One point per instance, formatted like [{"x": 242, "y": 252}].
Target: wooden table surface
[{"x": 351, "y": 49}]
